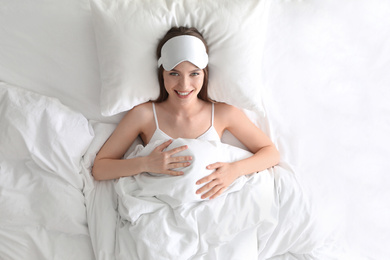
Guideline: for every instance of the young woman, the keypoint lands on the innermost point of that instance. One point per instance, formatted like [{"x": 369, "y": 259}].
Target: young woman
[{"x": 183, "y": 110}]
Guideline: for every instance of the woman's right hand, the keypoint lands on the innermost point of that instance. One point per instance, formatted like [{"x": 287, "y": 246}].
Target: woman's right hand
[{"x": 160, "y": 161}]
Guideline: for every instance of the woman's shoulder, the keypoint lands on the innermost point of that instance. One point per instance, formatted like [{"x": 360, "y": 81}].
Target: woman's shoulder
[
  {"x": 143, "y": 107},
  {"x": 227, "y": 115},
  {"x": 226, "y": 110},
  {"x": 140, "y": 112}
]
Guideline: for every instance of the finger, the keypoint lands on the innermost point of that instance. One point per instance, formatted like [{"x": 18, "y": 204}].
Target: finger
[
  {"x": 213, "y": 166},
  {"x": 177, "y": 149},
  {"x": 174, "y": 173},
  {"x": 178, "y": 165},
  {"x": 181, "y": 159},
  {"x": 206, "y": 179},
  {"x": 218, "y": 193},
  {"x": 164, "y": 145},
  {"x": 207, "y": 187},
  {"x": 211, "y": 192}
]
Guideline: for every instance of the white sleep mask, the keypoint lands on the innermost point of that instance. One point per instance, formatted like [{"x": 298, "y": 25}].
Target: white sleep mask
[{"x": 183, "y": 48}]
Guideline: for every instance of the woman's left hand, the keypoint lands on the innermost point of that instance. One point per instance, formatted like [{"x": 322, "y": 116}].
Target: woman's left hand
[{"x": 218, "y": 181}]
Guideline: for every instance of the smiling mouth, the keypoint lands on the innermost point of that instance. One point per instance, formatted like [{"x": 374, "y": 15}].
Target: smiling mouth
[{"x": 183, "y": 94}]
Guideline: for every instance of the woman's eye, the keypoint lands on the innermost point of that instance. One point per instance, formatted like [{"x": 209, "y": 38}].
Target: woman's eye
[
  {"x": 195, "y": 74},
  {"x": 174, "y": 74}
]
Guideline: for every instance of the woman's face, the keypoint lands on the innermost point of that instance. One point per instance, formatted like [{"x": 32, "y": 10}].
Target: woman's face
[{"x": 184, "y": 81}]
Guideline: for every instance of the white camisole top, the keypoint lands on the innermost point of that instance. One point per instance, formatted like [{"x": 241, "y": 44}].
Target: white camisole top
[{"x": 210, "y": 135}]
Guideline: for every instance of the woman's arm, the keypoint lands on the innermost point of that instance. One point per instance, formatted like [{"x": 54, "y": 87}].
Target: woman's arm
[
  {"x": 265, "y": 153},
  {"x": 109, "y": 163},
  {"x": 159, "y": 161}
]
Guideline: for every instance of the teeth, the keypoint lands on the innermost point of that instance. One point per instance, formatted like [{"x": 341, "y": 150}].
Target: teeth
[{"x": 183, "y": 93}]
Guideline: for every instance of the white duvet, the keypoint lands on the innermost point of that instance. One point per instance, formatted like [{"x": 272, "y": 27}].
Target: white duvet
[
  {"x": 260, "y": 216},
  {"x": 42, "y": 207},
  {"x": 161, "y": 217},
  {"x": 180, "y": 190}
]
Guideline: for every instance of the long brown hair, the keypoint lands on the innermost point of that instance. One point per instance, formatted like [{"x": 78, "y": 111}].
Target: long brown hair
[{"x": 173, "y": 32}]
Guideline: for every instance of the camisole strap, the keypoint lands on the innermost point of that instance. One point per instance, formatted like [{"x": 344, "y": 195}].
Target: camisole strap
[
  {"x": 212, "y": 114},
  {"x": 155, "y": 116}
]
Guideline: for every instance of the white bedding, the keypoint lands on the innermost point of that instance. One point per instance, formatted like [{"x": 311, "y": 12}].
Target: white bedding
[
  {"x": 150, "y": 227},
  {"x": 177, "y": 191},
  {"x": 325, "y": 93},
  {"x": 172, "y": 222},
  {"x": 42, "y": 210}
]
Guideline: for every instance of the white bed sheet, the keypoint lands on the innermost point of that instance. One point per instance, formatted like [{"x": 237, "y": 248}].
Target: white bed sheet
[
  {"x": 100, "y": 198},
  {"x": 325, "y": 90},
  {"x": 42, "y": 208}
]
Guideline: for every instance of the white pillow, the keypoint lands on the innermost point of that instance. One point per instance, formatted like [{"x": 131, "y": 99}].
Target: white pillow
[
  {"x": 128, "y": 31},
  {"x": 179, "y": 190}
]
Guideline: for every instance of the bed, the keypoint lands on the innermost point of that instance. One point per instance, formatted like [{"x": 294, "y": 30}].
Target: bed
[{"x": 312, "y": 74}]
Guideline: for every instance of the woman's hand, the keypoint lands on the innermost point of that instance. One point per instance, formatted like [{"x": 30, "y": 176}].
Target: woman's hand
[
  {"x": 160, "y": 161},
  {"x": 217, "y": 182}
]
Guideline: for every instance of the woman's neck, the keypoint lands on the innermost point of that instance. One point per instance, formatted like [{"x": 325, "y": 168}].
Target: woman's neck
[{"x": 183, "y": 109}]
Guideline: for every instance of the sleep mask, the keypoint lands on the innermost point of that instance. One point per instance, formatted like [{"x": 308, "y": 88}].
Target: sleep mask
[{"x": 183, "y": 48}]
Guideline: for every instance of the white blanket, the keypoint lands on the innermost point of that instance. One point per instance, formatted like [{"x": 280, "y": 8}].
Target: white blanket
[
  {"x": 179, "y": 190},
  {"x": 161, "y": 217},
  {"x": 42, "y": 210}
]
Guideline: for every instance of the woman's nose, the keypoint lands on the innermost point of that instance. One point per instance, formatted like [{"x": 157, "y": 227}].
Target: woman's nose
[{"x": 184, "y": 81}]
